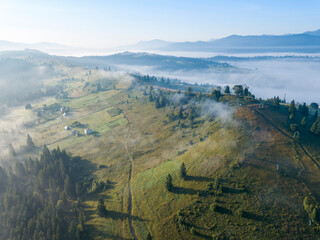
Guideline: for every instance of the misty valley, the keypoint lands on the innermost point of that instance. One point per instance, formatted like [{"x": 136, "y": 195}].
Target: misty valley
[{"x": 148, "y": 146}]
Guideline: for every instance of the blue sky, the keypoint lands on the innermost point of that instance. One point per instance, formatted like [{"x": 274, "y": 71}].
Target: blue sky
[{"x": 99, "y": 24}]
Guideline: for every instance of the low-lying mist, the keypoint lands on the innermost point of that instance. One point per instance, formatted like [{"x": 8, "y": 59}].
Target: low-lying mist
[
  {"x": 295, "y": 79},
  {"x": 19, "y": 79},
  {"x": 13, "y": 129}
]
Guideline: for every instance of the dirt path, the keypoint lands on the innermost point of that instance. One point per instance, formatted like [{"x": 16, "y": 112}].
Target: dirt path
[{"x": 129, "y": 180}]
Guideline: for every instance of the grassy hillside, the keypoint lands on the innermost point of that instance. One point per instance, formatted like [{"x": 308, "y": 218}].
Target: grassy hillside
[{"x": 233, "y": 189}]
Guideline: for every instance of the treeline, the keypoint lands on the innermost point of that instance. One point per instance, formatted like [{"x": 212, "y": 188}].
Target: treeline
[
  {"x": 102, "y": 84},
  {"x": 190, "y": 104},
  {"x": 176, "y": 100},
  {"x": 175, "y": 84},
  {"x": 300, "y": 118},
  {"x": 38, "y": 199}
]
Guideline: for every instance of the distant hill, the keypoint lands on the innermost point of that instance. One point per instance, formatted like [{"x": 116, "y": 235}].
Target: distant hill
[
  {"x": 23, "y": 53},
  {"x": 150, "y": 45},
  {"x": 263, "y": 43},
  {"x": 155, "y": 61},
  {"x": 315, "y": 33},
  {"x": 42, "y": 46}
]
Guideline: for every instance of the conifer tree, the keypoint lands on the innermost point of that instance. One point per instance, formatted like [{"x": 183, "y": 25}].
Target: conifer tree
[
  {"x": 292, "y": 108},
  {"x": 192, "y": 114},
  {"x": 183, "y": 171},
  {"x": 227, "y": 90},
  {"x": 180, "y": 114},
  {"x": 169, "y": 184},
  {"x": 30, "y": 143},
  {"x": 276, "y": 102},
  {"x": 304, "y": 110},
  {"x": 101, "y": 208},
  {"x": 12, "y": 151},
  {"x": 216, "y": 94},
  {"x": 189, "y": 91},
  {"x": 246, "y": 92},
  {"x": 157, "y": 104},
  {"x": 68, "y": 187},
  {"x": 315, "y": 128}
]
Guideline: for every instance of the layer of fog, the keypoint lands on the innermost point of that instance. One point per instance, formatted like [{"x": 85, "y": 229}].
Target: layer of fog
[
  {"x": 119, "y": 76},
  {"x": 213, "y": 109},
  {"x": 13, "y": 128},
  {"x": 19, "y": 78},
  {"x": 298, "y": 80},
  {"x": 195, "y": 54}
]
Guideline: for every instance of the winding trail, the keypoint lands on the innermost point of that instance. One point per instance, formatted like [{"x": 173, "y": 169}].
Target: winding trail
[
  {"x": 129, "y": 180},
  {"x": 130, "y": 195}
]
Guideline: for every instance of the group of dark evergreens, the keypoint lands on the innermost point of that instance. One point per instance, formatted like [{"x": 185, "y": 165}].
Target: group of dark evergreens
[
  {"x": 39, "y": 199},
  {"x": 183, "y": 175},
  {"x": 163, "y": 98},
  {"x": 301, "y": 116}
]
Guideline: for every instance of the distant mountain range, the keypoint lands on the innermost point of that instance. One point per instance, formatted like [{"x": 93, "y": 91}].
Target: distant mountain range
[
  {"x": 307, "y": 42},
  {"x": 304, "y": 42}
]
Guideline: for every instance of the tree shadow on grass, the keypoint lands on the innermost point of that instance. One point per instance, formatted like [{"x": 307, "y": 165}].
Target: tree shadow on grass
[
  {"x": 109, "y": 236},
  {"x": 198, "y": 178},
  {"x": 232, "y": 190},
  {"x": 96, "y": 133},
  {"x": 253, "y": 216},
  {"x": 189, "y": 191},
  {"x": 86, "y": 167},
  {"x": 110, "y": 185},
  {"x": 113, "y": 215},
  {"x": 98, "y": 230},
  {"x": 222, "y": 210},
  {"x": 201, "y": 235},
  {"x": 122, "y": 216}
]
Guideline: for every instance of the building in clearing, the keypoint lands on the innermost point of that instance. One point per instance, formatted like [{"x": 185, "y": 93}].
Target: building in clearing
[
  {"x": 66, "y": 127},
  {"x": 87, "y": 131}
]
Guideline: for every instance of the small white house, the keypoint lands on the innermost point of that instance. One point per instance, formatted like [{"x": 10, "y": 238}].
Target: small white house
[
  {"x": 87, "y": 131},
  {"x": 62, "y": 109},
  {"x": 64, "y": 114},
  {"x": 67, "y": 128}
]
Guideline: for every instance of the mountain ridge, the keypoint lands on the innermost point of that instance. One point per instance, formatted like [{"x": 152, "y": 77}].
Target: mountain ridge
[{"x": 306, "y": 42}]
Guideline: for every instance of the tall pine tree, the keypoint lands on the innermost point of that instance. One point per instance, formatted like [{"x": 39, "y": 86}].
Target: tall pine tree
[
  {"x": 101, "y": 208},
  {"x": 169, "y": 184},
  {"x": 183, "y": 171}
]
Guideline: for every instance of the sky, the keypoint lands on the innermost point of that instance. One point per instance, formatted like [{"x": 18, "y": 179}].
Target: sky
[{"x": 109, "y": 23}]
